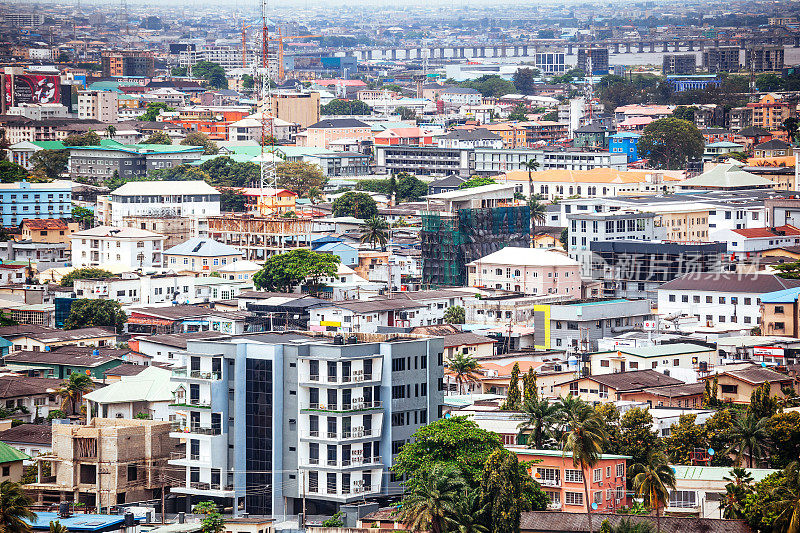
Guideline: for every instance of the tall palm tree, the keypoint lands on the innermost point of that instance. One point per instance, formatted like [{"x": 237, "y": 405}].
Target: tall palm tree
[
  {"x": 111, "y": 130},
  {"x": 467, "y": 514},
  {"x": 375, "y": 231},
  {"x": 747, "y": 433},
  {"x": 431, "y": 498},
  {"x": 541, "y": 419},
  {"x": 787, "y": 507},
  {"x": 584, "y": 438},
  {"x": 72, "y": 391},
  {"x": 465, "y": 369},
  {"x": 14, "y": 506},
  {"x": 653, "y": 480},
  {"x": 732, "y": 502},
  {"x": 532, "y": 165},
  {"x": 573, "y": 409}
]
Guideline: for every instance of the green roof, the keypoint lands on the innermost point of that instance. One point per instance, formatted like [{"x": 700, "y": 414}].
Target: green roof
[
  {"x": 716, "y": 473},
  {"x": 663, "y": 350},
  {"x": 11, "y": 455},
  {"x": 49, "y": 145}
]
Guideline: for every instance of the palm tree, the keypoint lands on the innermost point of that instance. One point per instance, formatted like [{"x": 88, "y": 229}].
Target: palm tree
[
  {"x": 653, "y": 480},
  {"x": 787, "y": 507},
  {"x": 314, "y": 195},
  {"x": 72, "y": 391},
  {"x": 14, "y": 506},
  {"x": 466, "y": 369},
  {"x": 584, "y": 438},
  {"x": 532, "y": 165},
  {"x": 573, "y": 409},
  {"x": 467, "y": 513},
  {"x": 57, "y": 527},
  {"x": 627, "y": 525},
  {"x": 541, "y": 419},
  {"x": 431, "y": 498},
  {"x": 111, "y": 130},
  {"x": 375, "y": 231},
  {"x": 732, "y": 502},
  {"x": 747, "y": 433}
]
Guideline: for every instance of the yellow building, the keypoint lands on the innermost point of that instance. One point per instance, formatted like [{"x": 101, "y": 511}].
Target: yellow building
[
  {"x": 736, "y": 386},
  {"x": 47, "y": 230},
  {"x": 266, "y": 202},
  {"x": 514, "y": 136},
  {"x": 771, "y": 110},
  {"x": 687, "y": 223}
]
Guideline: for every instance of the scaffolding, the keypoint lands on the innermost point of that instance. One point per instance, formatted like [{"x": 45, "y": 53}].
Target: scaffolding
[
  {"x": 260, "y": 237},
  {"x": 450, "y": 242}
]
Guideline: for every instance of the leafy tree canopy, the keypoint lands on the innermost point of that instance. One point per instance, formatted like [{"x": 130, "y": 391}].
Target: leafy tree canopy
[
  {"x": 158, "y": 137},
  {"x": 153, "y": 110},
  {"x": 49, "y": 164},
  {"x": 212, "y": 73},
  {"x": 195, "y": 138},
  {"x": 90, "y": 313},
  {"x": 477, "y": 181},
  {"x": 89, "y": 138},
  {"x": 670, "y": 143},
  {"x": 300, "y": 177},
  {"x": 12, "y": 172},
  {"x": 284, "y": 271},
  {"x": 345, "y": 107},
  {"x": 355, "y": 204}
]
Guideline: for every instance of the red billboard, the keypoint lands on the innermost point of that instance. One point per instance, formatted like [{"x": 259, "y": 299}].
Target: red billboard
[{"x": 34, "y": 89}]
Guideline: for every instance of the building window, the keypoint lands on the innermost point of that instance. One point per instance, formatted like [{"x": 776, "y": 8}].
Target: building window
[
  {"x": 573, "y": 476},
  {"x": 573, "y": 498},
  {"x": 682, "y": 499},
  {"x": 597, "y": 474}
]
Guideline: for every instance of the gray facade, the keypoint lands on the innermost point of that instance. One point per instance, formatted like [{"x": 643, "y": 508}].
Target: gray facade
[
  {"x": 269, "y": 418},
  {"x": 722, "y": 59},
  {"x": 99, "y": 164},
  {"x": 45, "y": 255},
  {"x": 489, "y": 161},
  {"x": 425, "y": 160},
  {"x": 578, "y": 327},
  {"x": 679, "y": 64}
]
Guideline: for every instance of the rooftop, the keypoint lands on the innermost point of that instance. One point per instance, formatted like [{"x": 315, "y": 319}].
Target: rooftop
[
  {"x": 164, "y": 188},
  {"x": 117, "y": 233},
  {"x": 561, "y": 522},
  {"x": 663, "y": 350},
  {"x": 726, "y": 176},
  {"x": 40, "y": 434},
  {"x": 716, "y": 282},
  {"x": 203, "y": 247},
  {"x": 17, "y": 386},
  {"x": 636, "y": 380},
  {"x": 527, "y": 257}
]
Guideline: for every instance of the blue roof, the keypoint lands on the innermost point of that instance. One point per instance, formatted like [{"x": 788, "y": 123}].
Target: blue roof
[
  {"x": 333, "y": 247},
  {"x": 77, "y": 522},
  {"x": 786, "y": 296},
  {"x": 625, "y": 135}
]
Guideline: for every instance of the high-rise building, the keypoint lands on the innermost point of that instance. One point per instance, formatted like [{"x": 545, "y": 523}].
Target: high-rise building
[
  {"x": 593, "y": 60},
  {"x": 764, "y": 58},
  {"x": 273, "y": 419},
  {"x": 679, "y": 64},
  {"x": 721, "y": 59}
]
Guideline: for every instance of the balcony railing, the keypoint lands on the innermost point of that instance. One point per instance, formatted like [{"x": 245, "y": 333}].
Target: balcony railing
[
  {"x": 191, "y": 402},
  {"x": 313, "y": 377},
  {"x": 194, "y": 428},
  {"x": 202, "y": 485},
  {"x": 353, "y": 406},
  {"x": 197, "y": 374}
]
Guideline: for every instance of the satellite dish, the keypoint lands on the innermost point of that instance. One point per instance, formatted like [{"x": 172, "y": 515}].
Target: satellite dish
[
  {"x": 763, "y": 364},
  {"x": 594, "y": 506},
  {"x": 711, "y": 451}
]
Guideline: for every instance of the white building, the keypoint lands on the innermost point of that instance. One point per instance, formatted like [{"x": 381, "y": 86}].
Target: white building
[
  {"x": 148, "y": 393},
  {"x": 98, "y": 105},
  {"x": 719, "y": 299},
  {"x": 744, "y": 243},
  {"x": 532, "y": 271},
  {"x": 459, "y": 96},
  {"x": 250, "y": 128},
  {"x": 134, "y": 248},
  {"x": 176, "y": 198},
  {"x": 133, "y": 289}
]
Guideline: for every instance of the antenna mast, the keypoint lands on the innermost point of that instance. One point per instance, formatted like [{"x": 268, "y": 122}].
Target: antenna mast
[{"x": 269, "y": 176}]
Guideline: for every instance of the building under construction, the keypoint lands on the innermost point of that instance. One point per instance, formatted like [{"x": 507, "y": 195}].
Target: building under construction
[
  {"x": 260, "y": 237},
  {"x": 450, "y": 241}
]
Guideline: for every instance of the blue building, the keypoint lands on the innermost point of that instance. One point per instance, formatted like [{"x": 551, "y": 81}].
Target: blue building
[
  {"x": 346, "y": 253},
  {"x": 24, "y": 199},
  {"x": 625, "y": 142},
  {"x": 693, "y": 82}
]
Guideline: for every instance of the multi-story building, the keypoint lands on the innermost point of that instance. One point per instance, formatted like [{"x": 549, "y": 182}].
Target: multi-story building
[
  {"x": 593, "y": 61},
  {"x": 132, "y": 289},
  {"x": 99, "y": 163},
  {"x": 201, "y": 255},
  {"x": 176, "y": 229},
  {"x": 551, "y": 62},
  {"x": 105, "y": 462},
  {"x": 678, "y": 64},
  {"x": 321, "y": 134},
  {"x": 98, "y": 105},
  {"x": 771, "y": 110},
  {"x": 720, "y": 299},
  {"x": 459, "y": 96},
  {"x": 533, "y": 271},
  {"x": 133, "y": 248},
  {"x": 425, "y": 160},
  {"x": 25, "y": 200},
  {"x": 721, "y": 59},
  {"x": 488, "y": 161},
  {"x": 274, "y": 423},
  {"x": 764, "y": 58},
  {"x": 190, "y": 199},
  {"x": 127, "y": 63}
]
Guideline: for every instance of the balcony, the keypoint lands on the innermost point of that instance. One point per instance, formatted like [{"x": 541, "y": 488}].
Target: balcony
[
  {"x": 549, "y": 482},
  {"x": 196, "y": 374},
  {"x": 555, "y": 506},
  {"x": 191, "y": 402},
  {"x": 353, "y": 406},
  {"x": 180, "y": 427}
]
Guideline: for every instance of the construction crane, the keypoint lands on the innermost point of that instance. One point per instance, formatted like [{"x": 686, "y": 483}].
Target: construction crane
[
  {"x": 244, "y": 45},
  {"x": 279, "y": 39}
]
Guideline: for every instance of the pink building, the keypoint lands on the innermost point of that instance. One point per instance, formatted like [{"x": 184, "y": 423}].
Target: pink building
[
  {"x": 321, "y": 134},
  {"x": 531, "y": 271},
  {"x": 563, "y": 483}
]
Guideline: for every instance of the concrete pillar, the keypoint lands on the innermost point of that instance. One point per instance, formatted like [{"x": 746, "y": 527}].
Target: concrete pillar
[
  {"x": 394, "y": 53},
  {"x": 666, "y": 46},
  {"x": 569, "y": 49},
  {"x": 691, "y": 45},
  {"x": 641, "y": 47},
  {"x": 627, "y": 48}
]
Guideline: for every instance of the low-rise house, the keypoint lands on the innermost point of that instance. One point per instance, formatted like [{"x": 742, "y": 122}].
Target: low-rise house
[
  {"x": 24, "y": 397},
  {"x": 609, "y": 387},
  {"x": 133, "y": 455},
  {"x": 684, "y": 395},
  {"x": 697, "y": 489},
  {"x": 554, "y": 522},
  {"x": 134, "y": 289},
  {"x": 200, "y": 255},
  {"x": 61, "y": 363},
  {"x": 30, "y": 439},
  {"x": 736, "y": 386},
  {"x": 564, "y": 483},
  {"x": 167, "y": 348},
  {"x": 531, "y": 271},
  {"x": 745, "y": 243},
  {"x": 241, "y": 270},
  {"x": 144, "y": 395},
  {"x": 685, "y": 360},
  {"x": 780, "y": 313},
  {"x": 11, "y": 463},
  {"x": 131, "y": 247},
  {"x": 40, "y": 339}
]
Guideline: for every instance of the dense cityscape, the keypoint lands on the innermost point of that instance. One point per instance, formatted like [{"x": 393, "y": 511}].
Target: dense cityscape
[{"x": 430, "y": 267}]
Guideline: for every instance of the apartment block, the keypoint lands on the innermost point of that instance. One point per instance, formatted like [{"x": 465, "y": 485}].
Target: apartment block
[
  {"x": 273, "y": 420},
  {"x": 97, "y": 105},
  {"x": 25, "y": 200},
  {"x": 721, "y": 59},
  {"x": 764, "y": 58},
  {"x": 679, "y": 64}
]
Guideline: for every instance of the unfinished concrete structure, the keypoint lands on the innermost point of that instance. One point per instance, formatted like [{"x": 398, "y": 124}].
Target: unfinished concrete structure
[
  {"x": 104, "y": 463},
  {"x": 260, "y": 237},
  {"x": 176, "y": 229}
]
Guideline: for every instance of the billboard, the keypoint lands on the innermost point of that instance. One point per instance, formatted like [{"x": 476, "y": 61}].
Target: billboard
[{"x": 36, "y": 89}]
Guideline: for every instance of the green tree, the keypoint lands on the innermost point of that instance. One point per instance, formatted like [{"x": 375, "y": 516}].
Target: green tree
[
  {"x": 355, "y": 204},
  {"x": 710, "y": 391},
  {"x": 519, "y": 113},
  {"x": 538, "y": 214},
  {"x": 50, "y": 164},
  {"x": 248, "y": 82},
  {"x": 345, "y": 107},
  {"x": 89, "y": 138},
  {"x": 788, "y": 270},
  {"x": 232, "y": 200},
  {"x": 769, "y": 82},
  {"x": 406, "y": 113},
  {"x": 212, "y": 521},
  {"x": 717, "y": 430},
  {"x": 179, "y": 71},
  {"x": 158, "y": 137},
  {"x": 431, "y": 497},
  {"x": 530, "y": 389},
  {"x": 376, "y": 232},
  {"x": 637, "y": 436},
  {"x": 85, "y": 273},
  {"x": 791, "y": 126},
  {"x": 468, "y": 514},
  {"x": 87, "y": 313},
  {"x": 334, "y": 521},
  {"x": 477, "y": 181},
  {"x": 12, "y": 172},
  {"x": 540, "y": 421},
  {"x": 550, "y": 116},
  {"x": 300, "y": 177},
  {"x": 212, "y": 73},
  {"x": 629, "y": 525},
  {"x": 736, "y": 490},
  {"x": 609, "y": 417},
  {"x": 524, "y": 80},
  {"x": 762, "y": 402},
  {"x": 195, "y": 138},
  {"x": 15, "y": 508},
  {"x": 465, "y": 369},
  {"x": 456, "y": 442},
  {"x": 111, "y": 130},
  {"x": 787, "y": 501},
  {"x": 454, "y": 315},
  {"x": 652, "y": 481},
  {"x": 57, "y": 527},
  {"x": 84, "y": 216},
  {"x": 759, "y": 503},
  {"x": 490, "y": 85},
  {"x": 584, "y": 439},
  {"x": 683, "y": 438},
  {"x": 514, "y": 396},
  {"x": 153, "y": 110},
  {"x": 501, "y": 491},
  {"x": 72, "y": 390},
  {"x": 683, "y": 112},
  {"x": 670, "y": 143},
  {"x": 748, "y": 434},
  {"x": 284, "y": 271},
  {"x": 784, "y": 435}
]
